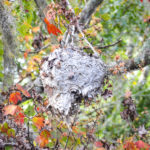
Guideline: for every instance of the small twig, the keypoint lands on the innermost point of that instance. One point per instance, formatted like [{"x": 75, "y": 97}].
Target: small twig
[
  {"x": 107, "y": 46},
  {"x": 90, "y": 45},
  {"x": 28, "y": 132},
  {"x": 70, "y": 130},
  {"x": 37, "y": 51}
]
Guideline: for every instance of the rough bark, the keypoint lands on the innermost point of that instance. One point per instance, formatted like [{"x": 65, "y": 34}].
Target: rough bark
[
  {"x": 88, "y": 10},
  {"x": 41, "y": 5},
  {"x": 142, "y": 60},
  {"x": 9, "y": 46}
]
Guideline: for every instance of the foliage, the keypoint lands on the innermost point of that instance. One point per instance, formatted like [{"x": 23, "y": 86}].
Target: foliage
[{"x": 109, "y": 122}]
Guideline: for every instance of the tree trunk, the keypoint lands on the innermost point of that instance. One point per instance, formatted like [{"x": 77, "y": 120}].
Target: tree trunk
[{"x": 9, "y": 46}]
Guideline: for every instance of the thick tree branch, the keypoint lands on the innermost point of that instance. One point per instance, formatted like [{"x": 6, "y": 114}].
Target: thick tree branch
[
  {"x": 142, "y": 60},
  {"x": 88, "y": 11},
  {"x": 139, "y": 62}
]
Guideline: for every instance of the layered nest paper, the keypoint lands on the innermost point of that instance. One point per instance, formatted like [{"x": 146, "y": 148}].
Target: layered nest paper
[{"x": 69, "y": 75}]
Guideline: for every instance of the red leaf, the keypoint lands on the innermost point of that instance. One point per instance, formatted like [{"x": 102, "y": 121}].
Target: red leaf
[
  {"x": 51, "y": 28},
  {"x": 15, "y": 97},
  {"x": 141, "y": 1},
  {"x": 98, "y": 144},
  {"x": 129, "y": 145},
  {"x": 25, "y": 92},
  {"x": 19, "y": 116},
  {"x": 141, "y": 145}
]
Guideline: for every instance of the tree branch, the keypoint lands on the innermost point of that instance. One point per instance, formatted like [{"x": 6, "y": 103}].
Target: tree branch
[
  {"x": 142, "y": 60},
  {"x": 88, "y": 11},
  {"x": 107, "y": 46}
]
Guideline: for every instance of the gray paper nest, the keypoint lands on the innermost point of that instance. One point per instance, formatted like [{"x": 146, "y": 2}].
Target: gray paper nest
[{"x": 69, "y": 75}]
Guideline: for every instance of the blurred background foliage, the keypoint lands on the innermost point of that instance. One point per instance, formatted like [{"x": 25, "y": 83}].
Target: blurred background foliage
[{"x": 114, "y": 20}]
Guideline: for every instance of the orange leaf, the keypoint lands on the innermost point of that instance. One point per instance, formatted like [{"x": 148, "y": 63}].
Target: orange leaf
[
  {"x": 141, "y": 145},
  {"x": 28, "y": 37},
  {"x": 101, "y": 148},
  {"x": 26, "y": 53},
  {"x": 46, "y": 21},
  {"x": 10, "y": 109},
  {"x": 25, "y": 92},
  {"x": 15, "y": 97},
  {"x": 53, "y": 47},
  {"x": 36, "y": 29},
  {"x": 42, "y": 139},
  {"x": 38, "y": 122},
  {"x": 51, "y": 28},
  {"x": 129, "y": 145},
  {"x": 74, "y": 129}
]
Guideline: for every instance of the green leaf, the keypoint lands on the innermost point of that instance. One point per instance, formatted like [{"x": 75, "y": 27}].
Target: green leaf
[
  {"x": 11, "y": 132},
  {"x": 8, "y": 148},
  {"x": 105, "y": 17}
]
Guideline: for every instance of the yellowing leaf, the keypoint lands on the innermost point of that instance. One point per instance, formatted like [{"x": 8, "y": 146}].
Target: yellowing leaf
[
  {"x": 28, "y": 25},
  {"x": 42, "y": 139},
  {"x": 38, "y": 122},
  {"x": 105, "y": 17},
  {"x": 6, "y": 2}
]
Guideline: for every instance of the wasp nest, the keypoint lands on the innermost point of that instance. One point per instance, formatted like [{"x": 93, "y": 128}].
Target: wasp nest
[{"x": 69, "y": 75}]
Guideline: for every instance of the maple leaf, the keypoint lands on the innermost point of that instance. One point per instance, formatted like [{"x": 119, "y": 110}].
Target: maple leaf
[
  {"x": 10, "y": 110},
  {"x": 25, "y": 92},
  {"x": 51, "y": 28},
  {"x": 141, "y": 145},
  {"x": 42, "y": 139},
  {"x": 38, "y": 122},
  {"x": 15, "y": 97}
]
